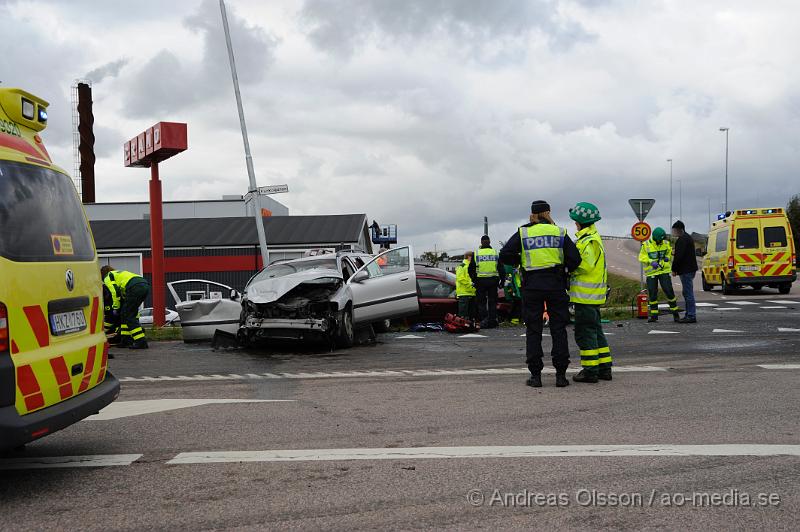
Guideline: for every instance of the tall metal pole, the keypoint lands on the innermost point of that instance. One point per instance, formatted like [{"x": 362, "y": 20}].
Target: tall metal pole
[
  {"x": 725, "y": 129},
  {"x": 709, "y": 212},
  {"x": 680, "y": 198},
  {"x": 670, "y": 191},
  {"x": 262, "y": 237},
  {"x": 157, "y": 246},
  {"x": 485, "y": 225},
  {"x": 641, "y": 265}
]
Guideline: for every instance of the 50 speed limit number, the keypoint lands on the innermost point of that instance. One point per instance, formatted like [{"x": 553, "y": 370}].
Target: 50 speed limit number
[{"x": 641, "y": 231}]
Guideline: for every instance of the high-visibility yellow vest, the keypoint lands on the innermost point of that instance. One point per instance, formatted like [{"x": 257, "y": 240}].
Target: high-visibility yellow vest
[
  {"x": 464, "y": 285},
  {"x": 486, "y": 262},
  {"x": 117, "y": 281},
  {"x": 542, "y": 246},
  {"x": 589, "y": 282},
  {"x": 654, "y": 252}
]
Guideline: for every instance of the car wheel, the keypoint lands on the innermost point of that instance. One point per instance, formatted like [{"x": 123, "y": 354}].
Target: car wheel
[
  {"x": 785, "y": 288},
  {"x": 706, "y": 286},
  {"x": 382, "y": 326},
  {"x": 346, "y": 334},
  {"x": 726, "y": 290}
]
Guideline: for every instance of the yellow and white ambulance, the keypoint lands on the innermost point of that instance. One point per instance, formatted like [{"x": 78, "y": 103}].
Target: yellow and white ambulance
[
  {"x": 750, "y": 247},
  {"x": 53, "y": 352}
]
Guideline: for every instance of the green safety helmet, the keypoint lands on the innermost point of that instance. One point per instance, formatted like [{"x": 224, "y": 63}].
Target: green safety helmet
[
  {"x": 585, "y": 213},
  {"x": 659, "y": 234}
]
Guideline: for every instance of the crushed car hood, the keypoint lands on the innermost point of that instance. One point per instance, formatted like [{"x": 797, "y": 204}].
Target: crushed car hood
[{"x": 269, "y": 290}]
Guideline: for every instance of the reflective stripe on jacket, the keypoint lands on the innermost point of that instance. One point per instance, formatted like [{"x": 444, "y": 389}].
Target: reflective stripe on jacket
[
  {"x": 654, "y": 252},
  {"x": 542, "y": 246},
  {"x": 117, "y": 281},
  {"x": 486, "y": 262},
  {"x": 589, "y": 283},
  {"x": 464, "y": 285}
]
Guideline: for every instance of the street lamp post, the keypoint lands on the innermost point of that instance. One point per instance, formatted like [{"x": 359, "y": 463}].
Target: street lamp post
[
  {"x": 670, "y": 191},
  {"x": 680, "y": 198},
  {"x": 725, "y": 129}
]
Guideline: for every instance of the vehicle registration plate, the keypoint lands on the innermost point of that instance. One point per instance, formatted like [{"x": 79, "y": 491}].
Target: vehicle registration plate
[
  {"x": 67, "y": 322},
  {"x": 749, "y": 268}
]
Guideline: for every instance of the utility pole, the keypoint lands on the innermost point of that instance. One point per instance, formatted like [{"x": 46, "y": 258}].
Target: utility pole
[
  {"x": 485, "y": 225},
  {"x": 670, "y": 191},
  {"x": 680, "y": 199},
  {"x": 726, "y": 130},
  {"x": 251, "y": 174}
]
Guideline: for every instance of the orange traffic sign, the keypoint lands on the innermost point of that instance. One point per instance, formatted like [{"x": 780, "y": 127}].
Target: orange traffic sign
[{"x": 641, "y": 231}]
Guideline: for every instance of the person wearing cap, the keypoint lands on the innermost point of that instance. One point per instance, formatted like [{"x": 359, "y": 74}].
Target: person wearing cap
[
  {"x": 656, "y": 257},
  {"x": 545, "y": 254},
  {"x": 488, "y": 275},
  {"x": 588, "y": 287},
  {"x": 684, "y": 265},
  {"x": 465, "y": 289}
]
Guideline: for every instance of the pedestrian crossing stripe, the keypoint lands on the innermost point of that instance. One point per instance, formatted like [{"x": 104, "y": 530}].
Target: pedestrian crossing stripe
[
  {"x": 787, "y": 329},
  {"x": 743, "y": 303},
  {"x": 471, "y": 335},
  {"x": 408, "y": 337},
  {"x": 783, "y": 302},
  {"x": 663, "y": 332},
  {"x": 725, "y": 331},
  {"x": 728, "y": 308},
  {"x": 774, "y": 308},
  {"x": 703, "y": 304}
]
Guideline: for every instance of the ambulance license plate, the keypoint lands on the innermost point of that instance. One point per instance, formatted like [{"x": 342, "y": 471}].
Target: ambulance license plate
[
  {"x": 67, "y": 322},
  {"x": 749, "y": 268}
]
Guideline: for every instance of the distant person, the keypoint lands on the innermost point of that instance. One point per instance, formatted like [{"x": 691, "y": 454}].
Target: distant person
[
  {"x": 684, "y": 265},
  {"x": 656, "y": 256},
  {"x": 465, "y": 289},
  {"x": 128, "y": 292},
  {"x": 545, "y": 254},
  {"x": 487, "y": 272},
  {"x": 587, "y": 291}
]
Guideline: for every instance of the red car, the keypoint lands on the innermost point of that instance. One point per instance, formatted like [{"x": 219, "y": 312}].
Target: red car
[{"x": 436, "y": 290}]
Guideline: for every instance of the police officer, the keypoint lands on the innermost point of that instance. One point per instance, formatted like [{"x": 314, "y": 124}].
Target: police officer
[
  {"x": 488, "y": 274},
  {"x": 545, "y": 254},
  {"x": 128, "y": 292}
]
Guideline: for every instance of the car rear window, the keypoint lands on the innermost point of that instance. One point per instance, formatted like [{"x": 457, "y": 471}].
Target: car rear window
[
  {"x": 40, "y": 216},
  {"x": 775, "y": 237},
  {"x": 747, "y": 238}
]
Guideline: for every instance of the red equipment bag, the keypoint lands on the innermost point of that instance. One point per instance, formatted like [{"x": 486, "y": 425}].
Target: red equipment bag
[{"x": 457, "y": 324}]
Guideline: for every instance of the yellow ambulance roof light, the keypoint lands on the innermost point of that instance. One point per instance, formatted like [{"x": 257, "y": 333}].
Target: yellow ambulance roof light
[{"x": 23, "y": 108}]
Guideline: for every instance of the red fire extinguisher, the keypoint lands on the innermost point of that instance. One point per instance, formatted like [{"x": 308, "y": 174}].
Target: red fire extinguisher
[{"x": 641, "y": 304}]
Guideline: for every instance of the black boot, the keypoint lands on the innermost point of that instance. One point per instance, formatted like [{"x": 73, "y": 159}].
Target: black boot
[
  {"x": 139, "y": 344},
  {"x": 605, "y": 374},
  {"x": 561, "y": 378},
  {"x": 535, "y": 380},
  {"x": 677, "y": 316},
  {"x": 652, "y": 319},
  {"x": 583, "y": 376}
]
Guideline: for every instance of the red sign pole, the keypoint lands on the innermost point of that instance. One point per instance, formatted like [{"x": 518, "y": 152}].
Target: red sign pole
[{"x": 157, "y": 246}]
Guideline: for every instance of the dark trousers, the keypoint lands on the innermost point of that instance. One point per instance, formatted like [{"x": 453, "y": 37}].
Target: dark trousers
[
  {"x": 135, "y": 294},
  {"x": 466, "y": 307},
  {"x": 652, "y": 293},
  {"x": 487, "y": 298},
  {"x": 533, "y": 302},
  {"x": 595, "y": 353}
]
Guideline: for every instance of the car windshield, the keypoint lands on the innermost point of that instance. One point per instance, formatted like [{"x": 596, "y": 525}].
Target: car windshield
[{"x": 288, "y": 268}]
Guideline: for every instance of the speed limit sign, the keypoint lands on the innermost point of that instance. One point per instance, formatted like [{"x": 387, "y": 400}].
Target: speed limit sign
[{"x": 641, "y": 231}]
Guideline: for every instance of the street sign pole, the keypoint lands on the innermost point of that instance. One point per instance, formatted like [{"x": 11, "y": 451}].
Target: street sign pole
[
  {"x": 641, "y": 266},
  {"x": 641, "y": 208},
  {"x": 262, "y": 237}
]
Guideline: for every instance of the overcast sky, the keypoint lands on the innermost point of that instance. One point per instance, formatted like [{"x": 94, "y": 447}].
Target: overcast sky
[{"x": 432, "y": 113}]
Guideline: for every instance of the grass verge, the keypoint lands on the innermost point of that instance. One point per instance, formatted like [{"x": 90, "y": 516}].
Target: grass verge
[{"x": 164, "y": 334}]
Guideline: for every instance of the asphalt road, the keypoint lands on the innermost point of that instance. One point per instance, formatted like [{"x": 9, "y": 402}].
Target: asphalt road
[{"x": 432, "y": 430}]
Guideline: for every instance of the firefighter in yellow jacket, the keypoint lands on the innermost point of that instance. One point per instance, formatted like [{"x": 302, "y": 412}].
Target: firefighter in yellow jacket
[
  {"x": 465, "y": 289},
  {"x": 588, "y": 287},
  {"x": 656, "y": 257},
  {"x": 128, "y": 292}
]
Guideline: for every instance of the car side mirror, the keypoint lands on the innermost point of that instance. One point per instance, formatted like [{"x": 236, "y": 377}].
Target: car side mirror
[{"x": 360, "y": 277}]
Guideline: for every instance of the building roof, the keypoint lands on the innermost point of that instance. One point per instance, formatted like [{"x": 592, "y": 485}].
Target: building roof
[{"x": 207, "y": 232}]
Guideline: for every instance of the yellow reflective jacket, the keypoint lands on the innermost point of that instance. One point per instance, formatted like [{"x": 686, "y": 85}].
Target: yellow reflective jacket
[
  {"x": 589, "y": 282},
  {"x": 464, "y": 286},
  {"x": 653, "y": 252}
]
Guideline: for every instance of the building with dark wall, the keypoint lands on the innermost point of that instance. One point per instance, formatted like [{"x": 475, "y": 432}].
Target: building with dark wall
[{"x": 224, "y": 250}]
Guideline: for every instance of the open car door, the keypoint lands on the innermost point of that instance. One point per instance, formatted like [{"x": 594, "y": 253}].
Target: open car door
[{"x": 385, "y": 287}]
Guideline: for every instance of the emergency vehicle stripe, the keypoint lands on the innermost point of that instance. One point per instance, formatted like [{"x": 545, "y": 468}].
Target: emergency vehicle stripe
[
  {"x": 88, "y": 369},
  {"x": 93, "y": 322},
  {"x": 62, "y": 377},
  {"x": 103, "y": 362},
  {"x": 38, "y": 324},
  {"x": 29, "y": 386},
  {"x": 780, "y": 268},
  {"x": 14, "y": 347}
]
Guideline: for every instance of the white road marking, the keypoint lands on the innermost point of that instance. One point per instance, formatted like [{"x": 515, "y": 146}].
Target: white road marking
[
  {"x": 357, "y": 374},
  {"x": 779, "y": 366},
  {"x": 60, "y": 462},
  {"x": 725, "y": 331},
  {"x": 727, "y": 308},
  {"x": 472, "y": 335},
  {"x": 663, "y": 332},
  {"x": 773, "y": 308},
  {"x": 519, "y": 451},
  {"x": 783, "y": 302},
  {"x": 408, "y": 337},
  {"x": 743, "y": 303},
  {"x": 523, "y": 335},
  {"x": 787, "y": 329},
  {"x": 120, "y": 409},
  {"x": 703, "y": 304}
]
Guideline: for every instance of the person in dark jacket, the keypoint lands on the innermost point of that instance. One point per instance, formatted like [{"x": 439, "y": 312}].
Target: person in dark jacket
[
  {"x": 545, "y": 255},
  {"x": 684, "y": 265}
]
